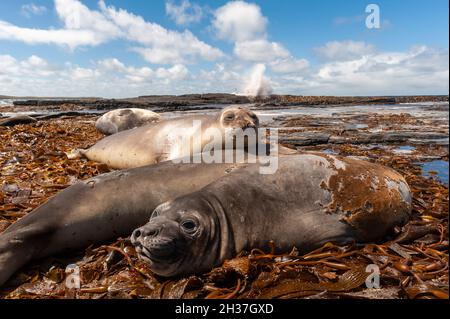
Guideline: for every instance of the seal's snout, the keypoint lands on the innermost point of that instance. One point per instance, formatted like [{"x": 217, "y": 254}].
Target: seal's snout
[
  {"x": 145, "y": 231},
  {"x": 250, "y": 124}
]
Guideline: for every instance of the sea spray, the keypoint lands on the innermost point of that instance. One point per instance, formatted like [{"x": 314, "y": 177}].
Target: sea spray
[{"x": 258, "y": 84}]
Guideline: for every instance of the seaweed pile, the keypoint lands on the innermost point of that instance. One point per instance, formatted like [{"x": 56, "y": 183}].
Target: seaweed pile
[{"x": 413, "y": 263}]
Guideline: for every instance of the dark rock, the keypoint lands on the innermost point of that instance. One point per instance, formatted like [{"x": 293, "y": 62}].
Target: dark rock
[
  {"x": 388, "y": 137},
  {"x": 153, "y": 101},
  {"x": 304, "y": 138},
  {"x": 317, "y": 138}
]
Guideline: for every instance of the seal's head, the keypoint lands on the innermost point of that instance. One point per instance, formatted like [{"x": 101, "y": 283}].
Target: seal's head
[
  {"x": 182, "y": 237},
  {"x": 241, "y": 122},
  {"x": 238, "y": 117}
]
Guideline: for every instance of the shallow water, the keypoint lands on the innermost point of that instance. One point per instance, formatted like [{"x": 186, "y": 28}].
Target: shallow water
[
  {"x": 269, "y": 115},
  {"x": 404, "y": 149},
  {"x": 440, "y": 167},
  {"x": 330, "y": 151},
  {"x": 5, "y": 102}
]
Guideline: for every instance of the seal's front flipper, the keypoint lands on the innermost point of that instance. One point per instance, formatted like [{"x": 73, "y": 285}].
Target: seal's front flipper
[
  {"x": 10, "y": 262},
  {"x": 76, "y": 154},
  {"x": 14, "y": 254},
  {"x": 283, "y": 150},
  {"x": 19, "y": 244}
]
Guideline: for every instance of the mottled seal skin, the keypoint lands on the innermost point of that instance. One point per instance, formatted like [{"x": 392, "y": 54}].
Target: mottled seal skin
[
  {"x": 310, "y": 200},
  {"x": 100, "y": 209},
  {"x": 125, "y": 119},
  {"x": 16, "y": 120},
  {"x": 154, "y": 143}
]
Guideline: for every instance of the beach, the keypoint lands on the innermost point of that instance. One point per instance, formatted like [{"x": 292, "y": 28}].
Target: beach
[{"x": 410, "y": 136}]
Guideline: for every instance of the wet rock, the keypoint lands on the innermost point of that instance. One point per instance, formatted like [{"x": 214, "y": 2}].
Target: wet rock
[
  {"x": 304, "y": 138},
  {"x": 388, "y": 137}
]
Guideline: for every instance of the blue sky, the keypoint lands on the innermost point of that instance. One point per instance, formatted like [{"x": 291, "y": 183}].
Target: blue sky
[{"x": 126, "y": 48}]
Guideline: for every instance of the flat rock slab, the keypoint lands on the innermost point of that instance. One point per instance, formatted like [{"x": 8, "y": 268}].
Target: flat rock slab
[
  {"x": 305, "y": 138},
  {"x": 317, "y": 138}
]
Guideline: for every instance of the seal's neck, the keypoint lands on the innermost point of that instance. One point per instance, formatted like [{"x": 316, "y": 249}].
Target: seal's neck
[{"x": 223, "y": 241}]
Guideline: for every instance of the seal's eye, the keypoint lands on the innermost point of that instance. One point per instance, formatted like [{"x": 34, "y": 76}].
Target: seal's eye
[
  {"x": 154, "y": 214},
  {"x": 189, "y": 226},
  {"x": 229, "y": 117}
]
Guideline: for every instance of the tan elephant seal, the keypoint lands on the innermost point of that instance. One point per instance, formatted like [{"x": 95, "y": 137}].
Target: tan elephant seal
[
  {"x": 170, "y": 139},
  {"x": 125, "y": 119}
]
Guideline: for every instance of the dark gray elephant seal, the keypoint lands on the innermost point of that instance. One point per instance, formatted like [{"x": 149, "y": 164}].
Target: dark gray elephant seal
[
  {"x": 16, "y": 120},
  {"x": 100, "y": 209},
  {"x": 125, "y": 119},
  {"x": 87, "y": 213},
  {"x": 166, "y": 140},
  {"x": 310, "y": 200}
]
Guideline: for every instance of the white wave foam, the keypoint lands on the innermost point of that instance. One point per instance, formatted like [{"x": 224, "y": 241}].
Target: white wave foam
[{"x": 257, "y": 84}]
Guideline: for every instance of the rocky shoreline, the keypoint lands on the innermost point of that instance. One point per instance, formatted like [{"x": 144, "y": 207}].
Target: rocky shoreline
[{"x": 169, "y": 103}]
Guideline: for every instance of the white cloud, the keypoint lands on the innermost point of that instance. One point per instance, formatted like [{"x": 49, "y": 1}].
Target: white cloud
[
  {"x": 184, "y": 14},
  {"x": 112, "y": 65},
  {"x": 66, "y": 37},
  {"x": 77, "y": 16},
  {"x": 222, "y": 78},
  {"x": 39, "y": 65},
  {"x": 161, "y": 45},
  {"x": 79, "y": 73},
  {"x": 175, "y": 73},
  {"x": 30, "y": 9},
  {"x": 260, "y": 50},
  {"x": 83, "y": 27},
  {"x": 289, "y": 65},
  {"x": 344, "y": 50},
  {"x": 86, "y": 27},
  {"x": 159, "y": 55},
  {"x": 108, "y": 77},
  {"x": 8, "y": 64},
  {"x": 244, "y": 24},
  {"x": 239, "y": 21},
  {"x": 420, "y": 70}
]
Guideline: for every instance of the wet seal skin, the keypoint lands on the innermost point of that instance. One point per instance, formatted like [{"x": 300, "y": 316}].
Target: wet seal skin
[
  {"x": 312, "y": 198},
  {"x": 162, "y": 141},
  {"x": 125, "y": 119},
  {"x": 16, "y": 120}
]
